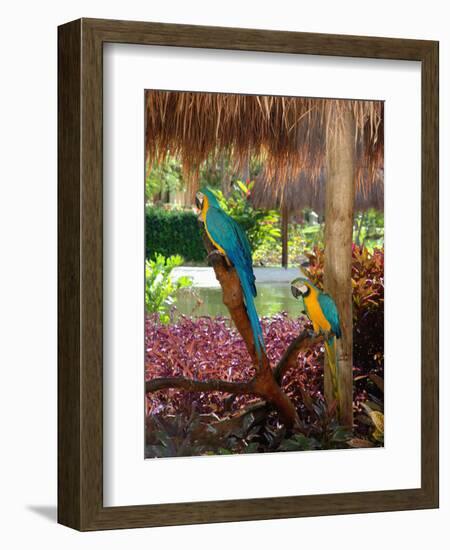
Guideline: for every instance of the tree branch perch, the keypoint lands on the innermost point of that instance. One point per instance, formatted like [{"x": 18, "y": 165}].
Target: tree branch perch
[
  {"x": 288, "y": 360},
  {"x": 191, "y": 385},
  {"x": 266, "y": 383}
]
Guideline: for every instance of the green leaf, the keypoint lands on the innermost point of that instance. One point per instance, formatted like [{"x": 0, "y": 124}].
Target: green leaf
[
  {"x": 298, "y": 442},
  {"x": 242, "y": 186},
  {"x": 160, "y": 290}
]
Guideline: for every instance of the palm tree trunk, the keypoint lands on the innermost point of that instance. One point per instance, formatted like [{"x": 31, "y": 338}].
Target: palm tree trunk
[{"x": 339, "y": 206}]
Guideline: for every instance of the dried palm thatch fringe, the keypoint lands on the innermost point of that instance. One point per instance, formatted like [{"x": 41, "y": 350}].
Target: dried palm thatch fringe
[
  {"x": 287, "y": 133},
  {"x": 309, "y": 192}
]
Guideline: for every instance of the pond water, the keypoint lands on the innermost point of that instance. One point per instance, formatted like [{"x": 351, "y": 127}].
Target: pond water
[{"x": 272, "y": 298}]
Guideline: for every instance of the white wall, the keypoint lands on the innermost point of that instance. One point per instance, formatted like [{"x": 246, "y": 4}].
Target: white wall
[{"x": 28, "y": 271}]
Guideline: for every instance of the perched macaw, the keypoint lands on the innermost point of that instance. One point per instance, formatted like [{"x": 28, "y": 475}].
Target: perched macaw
[
  {"x": 324, "y": 316},
  {"x": 229, "y": 239}
]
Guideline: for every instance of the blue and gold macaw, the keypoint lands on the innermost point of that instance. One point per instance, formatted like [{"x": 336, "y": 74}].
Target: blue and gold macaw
[
  {"x": 229, "y": 239},
  {"x": 324, "y": 316}
]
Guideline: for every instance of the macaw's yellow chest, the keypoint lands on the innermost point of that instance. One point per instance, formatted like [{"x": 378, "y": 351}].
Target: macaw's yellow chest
[{"x": 315, "y": 313}]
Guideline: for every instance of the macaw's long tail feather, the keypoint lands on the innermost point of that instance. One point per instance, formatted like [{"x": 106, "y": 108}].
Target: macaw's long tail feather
[
  {"x": 330, "y": 346},
  {"x": 248, "y": 291}
]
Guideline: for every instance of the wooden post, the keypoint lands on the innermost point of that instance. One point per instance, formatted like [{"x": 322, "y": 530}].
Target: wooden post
[
  {"x": 339, "y": 206},
  {"x": 245, "y": 171},
  {"x": 284, "y": 235}
]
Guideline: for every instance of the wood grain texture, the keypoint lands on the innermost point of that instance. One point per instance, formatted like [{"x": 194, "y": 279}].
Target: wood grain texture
[
  {"x": 80, "y": 242},
  {"x": 339, "y": 215},
  {"x": 430, "y": 273},
  {"x": 69, "y": 243}
]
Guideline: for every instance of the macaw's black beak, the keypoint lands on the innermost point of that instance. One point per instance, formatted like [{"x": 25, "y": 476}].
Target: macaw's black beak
[
  {"x": 198, "y": 201},
  {"x": 295, "y": 291}
]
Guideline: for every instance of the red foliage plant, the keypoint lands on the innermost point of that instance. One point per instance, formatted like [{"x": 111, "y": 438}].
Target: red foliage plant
[
  {"x": 368, "y": 304},
  {"x": 206, "y": 348},
  {"x": 209, "y": 348},
  {"x": 367, "y": 277}
]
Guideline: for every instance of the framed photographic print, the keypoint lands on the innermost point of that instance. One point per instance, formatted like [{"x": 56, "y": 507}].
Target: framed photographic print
[{"x": 248, "y": 274}]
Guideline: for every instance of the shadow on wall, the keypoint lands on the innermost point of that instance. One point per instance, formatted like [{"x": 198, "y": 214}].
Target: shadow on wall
[{"x": 47, "y": 512}]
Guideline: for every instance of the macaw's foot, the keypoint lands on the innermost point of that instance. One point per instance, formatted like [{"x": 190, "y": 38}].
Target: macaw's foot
[{"x": 215, "y": 256}]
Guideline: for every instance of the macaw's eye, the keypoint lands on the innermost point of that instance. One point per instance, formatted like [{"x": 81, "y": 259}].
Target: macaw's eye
[{"x": 303, "y": 289}]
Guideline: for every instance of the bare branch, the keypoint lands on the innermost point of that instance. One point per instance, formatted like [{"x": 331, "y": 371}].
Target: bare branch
[
  {"x": 188, "y": 384},
  {"x": 306, "y": 339}
]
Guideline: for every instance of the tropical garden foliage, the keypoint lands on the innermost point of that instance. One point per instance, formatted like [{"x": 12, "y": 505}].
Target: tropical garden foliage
[
  {"x": 173, "y": 232},
  {"x": 205, "y": 136},
  {"x": 210, "y": 348},
  {"x": 160, "y": 289},
  {"x": 163, "y": 178}
]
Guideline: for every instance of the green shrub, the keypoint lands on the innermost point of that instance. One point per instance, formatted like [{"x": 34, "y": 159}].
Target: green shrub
[
  {"x": 303, "y": 238},
  {"x": 171, "y": 232},
  {"x": 160, "y": 289},
  {"x": 163, "y": 178}
]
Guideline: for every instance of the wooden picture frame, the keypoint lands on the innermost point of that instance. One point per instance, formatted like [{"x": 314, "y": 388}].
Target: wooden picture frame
[{"x": 80, "y": 272}]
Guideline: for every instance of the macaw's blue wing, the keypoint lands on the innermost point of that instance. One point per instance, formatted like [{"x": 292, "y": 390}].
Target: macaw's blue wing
[
  {"x": 228, "y": 234},
  {"x": 331, "y": 313}
]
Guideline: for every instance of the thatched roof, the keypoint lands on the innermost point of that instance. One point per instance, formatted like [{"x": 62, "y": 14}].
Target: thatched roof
[
  {"x": 286, "y": 133},
  {"x": 310, "y": 192}
]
